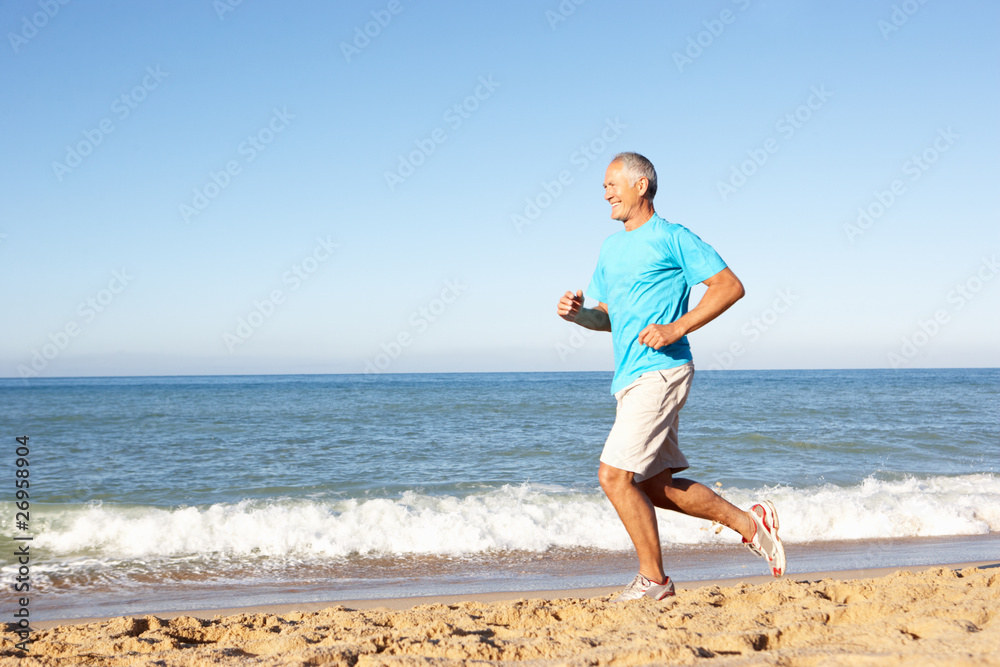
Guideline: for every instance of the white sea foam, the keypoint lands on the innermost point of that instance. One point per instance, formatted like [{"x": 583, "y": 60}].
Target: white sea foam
[{"x": 528, "y": 517}]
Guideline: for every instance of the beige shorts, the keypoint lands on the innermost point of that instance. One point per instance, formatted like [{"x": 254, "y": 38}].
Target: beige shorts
[{"x": 643, "y": 439}]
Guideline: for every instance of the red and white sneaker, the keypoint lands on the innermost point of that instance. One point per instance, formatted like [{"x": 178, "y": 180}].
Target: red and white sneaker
[
  {"x": 642, "y": 586},
  {"x": 765, "y": 542}
]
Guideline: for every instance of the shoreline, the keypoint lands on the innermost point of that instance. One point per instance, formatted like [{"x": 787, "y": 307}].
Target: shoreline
[
  {"x": 926, "y": 615},
  {"x": 404, "y": 603},
  {"x": 502, "y": 575}
]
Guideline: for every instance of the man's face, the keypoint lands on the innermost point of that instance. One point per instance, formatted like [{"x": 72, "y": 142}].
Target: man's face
[{"x": 624, "y": 199}]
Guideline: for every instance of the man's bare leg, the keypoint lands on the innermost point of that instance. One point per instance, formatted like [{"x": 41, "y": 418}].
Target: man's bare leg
[
  {"x": 689, "y": 497},
  {"x": 638, "y": 516}
]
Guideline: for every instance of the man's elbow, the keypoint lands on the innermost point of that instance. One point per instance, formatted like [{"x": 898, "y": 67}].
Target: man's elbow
[
  {"x": 727, "y": 286},
  {"x": 738, "y": 291}
]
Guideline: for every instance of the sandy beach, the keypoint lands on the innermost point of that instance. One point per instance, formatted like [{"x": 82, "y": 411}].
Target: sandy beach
[{"x": 946, "y": 615}]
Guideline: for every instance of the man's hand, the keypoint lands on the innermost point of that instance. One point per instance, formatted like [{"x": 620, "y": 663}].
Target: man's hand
[
  {"x": 570, "y": 305},
  {"x": 724, "y": 289},
  {"x": 571, "y": 309},
  {"x": 659, "y": 335}
]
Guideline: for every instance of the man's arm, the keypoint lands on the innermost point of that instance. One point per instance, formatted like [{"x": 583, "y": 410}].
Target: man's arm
[
  {"x": 571, "y": 309},
  {"x": 724, "y": 289}
]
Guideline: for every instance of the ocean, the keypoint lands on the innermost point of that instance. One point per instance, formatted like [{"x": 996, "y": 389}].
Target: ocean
[{"x": 171, "y": 493}]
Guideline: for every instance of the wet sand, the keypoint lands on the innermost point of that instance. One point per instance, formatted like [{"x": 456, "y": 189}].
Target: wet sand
[
  {"x": 946, "y": 615},
  {"x": 567, "y": 572}
]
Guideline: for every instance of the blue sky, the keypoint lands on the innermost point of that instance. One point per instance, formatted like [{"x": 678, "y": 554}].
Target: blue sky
[{"x": 200, "y": 188}]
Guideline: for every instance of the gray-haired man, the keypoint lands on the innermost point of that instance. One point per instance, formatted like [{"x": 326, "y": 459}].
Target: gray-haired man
[{"x": 642, "y": 284}]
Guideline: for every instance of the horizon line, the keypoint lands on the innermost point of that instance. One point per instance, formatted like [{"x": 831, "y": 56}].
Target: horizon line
[{"x": 374, "y": 375}]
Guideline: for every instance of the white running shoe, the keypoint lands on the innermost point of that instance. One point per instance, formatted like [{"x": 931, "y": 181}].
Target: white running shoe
[
  {"x": 765, "y": 542},
  {"x": 642, "y": 586}
]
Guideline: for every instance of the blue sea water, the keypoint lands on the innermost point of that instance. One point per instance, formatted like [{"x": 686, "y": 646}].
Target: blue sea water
[{"x": 282, "y": 488}]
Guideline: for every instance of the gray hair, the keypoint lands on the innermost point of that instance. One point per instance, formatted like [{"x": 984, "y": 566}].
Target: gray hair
[{"x": 637, "y": 166}]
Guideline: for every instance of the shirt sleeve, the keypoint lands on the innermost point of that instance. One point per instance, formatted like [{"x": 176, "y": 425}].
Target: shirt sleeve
[{"x": 697, "y": 259}]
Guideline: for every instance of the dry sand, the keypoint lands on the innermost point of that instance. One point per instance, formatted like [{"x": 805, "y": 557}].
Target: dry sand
[{"x": 939, "y": 616}]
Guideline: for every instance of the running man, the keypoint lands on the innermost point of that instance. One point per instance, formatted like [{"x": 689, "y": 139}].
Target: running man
[{"x": 642, "y": 282}]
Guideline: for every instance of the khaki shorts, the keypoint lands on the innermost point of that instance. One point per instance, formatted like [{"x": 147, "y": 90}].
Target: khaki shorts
[{"x": 643, "y": 439}]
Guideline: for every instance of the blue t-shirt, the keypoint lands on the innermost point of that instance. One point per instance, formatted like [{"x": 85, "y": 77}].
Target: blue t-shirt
[{"x": 645, "y": 276}]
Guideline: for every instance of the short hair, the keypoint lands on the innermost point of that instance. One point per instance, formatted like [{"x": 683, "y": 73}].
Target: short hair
[{"x": 638, "y": 166}]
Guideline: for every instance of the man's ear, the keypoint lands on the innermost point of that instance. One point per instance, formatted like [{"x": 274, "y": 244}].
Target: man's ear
[{"x": 643, "y": 185}]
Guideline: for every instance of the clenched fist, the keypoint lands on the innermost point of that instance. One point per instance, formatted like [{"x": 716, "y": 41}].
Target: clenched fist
[{"x": 570, "y": 305}]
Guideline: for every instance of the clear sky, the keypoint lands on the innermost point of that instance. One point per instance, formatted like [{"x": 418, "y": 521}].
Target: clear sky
[{"x": 198, "y": 187}]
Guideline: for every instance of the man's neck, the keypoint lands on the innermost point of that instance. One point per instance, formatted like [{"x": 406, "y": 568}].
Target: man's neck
[{"x": 640, "y": 219}]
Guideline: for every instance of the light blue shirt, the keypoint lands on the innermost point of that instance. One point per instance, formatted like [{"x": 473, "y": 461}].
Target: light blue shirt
[{"x": 645, "y": 276}]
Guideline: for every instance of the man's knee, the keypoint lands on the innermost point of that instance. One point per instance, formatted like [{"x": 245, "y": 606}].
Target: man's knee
[{"x": 612, "y": 478}]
